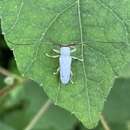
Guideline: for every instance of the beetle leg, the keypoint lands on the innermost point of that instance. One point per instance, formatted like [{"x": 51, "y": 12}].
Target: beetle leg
[
  {"x": 58, "y": 69},
  {"x": 57, "y": 51},
  {"x": 71, "y": 81},
  {"x": 73, "y": 50},
  {"x": 56, "y": 56},
  {"x": 71, "y": 78},
  {"x": 76, "y": 58}
]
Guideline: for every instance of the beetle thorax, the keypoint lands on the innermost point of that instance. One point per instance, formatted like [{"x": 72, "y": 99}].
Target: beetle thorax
[{"x": 65, "y": 51}]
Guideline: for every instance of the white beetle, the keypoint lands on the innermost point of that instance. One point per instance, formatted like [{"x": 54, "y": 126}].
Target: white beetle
[
  {"x": 65, "y": 65},
  {"x": 65, "y": 60}
]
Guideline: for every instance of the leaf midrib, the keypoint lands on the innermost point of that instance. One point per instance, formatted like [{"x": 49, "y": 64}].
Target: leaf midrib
[{"x": 83, "y": 64}]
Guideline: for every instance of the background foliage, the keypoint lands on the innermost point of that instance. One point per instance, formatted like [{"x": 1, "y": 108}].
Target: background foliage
[
  {"x": 104, "y": 62},
  {"x": 21, "y": 104}
]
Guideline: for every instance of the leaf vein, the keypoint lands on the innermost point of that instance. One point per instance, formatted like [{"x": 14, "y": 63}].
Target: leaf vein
[
  {"x": 17, "y": 17},
  {"x": 117, "y": 17},
  {"x": 107, "y": 59}
]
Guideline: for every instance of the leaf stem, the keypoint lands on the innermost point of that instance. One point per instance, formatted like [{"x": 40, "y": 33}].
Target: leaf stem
[
  {"x": 104, "y": 123},
  {"x": 5, "y": 91},
  {"x": 38, "y": 115},
  {"x": 17, "y": 81},
  {"x": 7, "y": 73}
]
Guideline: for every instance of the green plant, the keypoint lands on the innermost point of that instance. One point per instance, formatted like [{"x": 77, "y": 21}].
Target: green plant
[{"x": 99, "y": 27}]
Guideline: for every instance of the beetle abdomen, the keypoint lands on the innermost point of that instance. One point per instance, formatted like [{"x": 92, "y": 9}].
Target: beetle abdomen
[{"x": 65, "y": 69}]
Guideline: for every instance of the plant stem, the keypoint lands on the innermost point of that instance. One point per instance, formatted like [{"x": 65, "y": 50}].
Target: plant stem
[
  {"x": 7, "y": 73},
  {"x": 7, "y": 89},
  {"x": 104, "y": 123},
  {"x": 38, "y": 115},
  {"x": 17, "y": 81}
]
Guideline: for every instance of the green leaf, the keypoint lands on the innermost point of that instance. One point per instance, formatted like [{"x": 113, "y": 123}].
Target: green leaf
[
  {"x": 118, "y": 104},
  {"x": 101, "y": 29},
  {"x": 5, "y": 126},
  {"x": 32, "y": 99},
  {"x": 113, "y": 126},
  {"x": 126, "y": 72},
  {"x": 57, "y": 119}
]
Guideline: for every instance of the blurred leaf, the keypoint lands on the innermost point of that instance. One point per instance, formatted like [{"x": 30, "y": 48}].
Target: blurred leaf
[
  {"x": 13, "y": 95},
  {"x": 57, "y": 119},
  {"x": 101, "y": 25},
  {"x": 128, "y": 125},
  {"x": 118, "y": 126},
  {"x": 0, "y": 27},
  {"x": 5, "y": 127},
  {"x": 117, "y": 107},
  {"x": 2, "y": 81},
  {"x": 113, "y": 126},
  {"x": 33, "y": 98}
]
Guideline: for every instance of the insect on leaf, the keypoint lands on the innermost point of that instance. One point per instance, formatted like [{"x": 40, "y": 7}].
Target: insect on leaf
[{"x": 101, "y": 30}]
